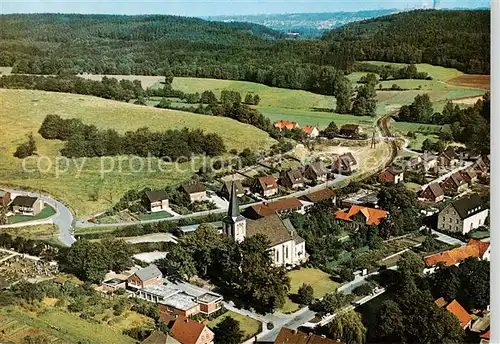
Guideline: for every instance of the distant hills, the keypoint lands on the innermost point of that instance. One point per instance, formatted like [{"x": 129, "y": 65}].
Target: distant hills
[
  {"x": 307, "y": 25},
  {"x": 458, "y": 39}
]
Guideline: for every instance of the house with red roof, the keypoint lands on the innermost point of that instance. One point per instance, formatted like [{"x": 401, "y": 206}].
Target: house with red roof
[
  {"x": 187, "y": 331},
  {"x": 359, "y": 214},
  {"x": 485, "y": 338},
  {"x": 266, "y": 186},
  {"x": 462, "y": 315},
  {"x": 432, "y": 193},
  {"x": 286, "y": 125},
  {"x": 288, "y": 336},
  {"x": 310, "y": 131},
  {"x": 474, "y": 248}
]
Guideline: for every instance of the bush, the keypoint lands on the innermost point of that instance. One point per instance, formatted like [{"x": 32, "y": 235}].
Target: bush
[
  {"x": 270, "y": 326},
  {"x": 362, "y": 290},
  {"x": 305, "y": 295}
]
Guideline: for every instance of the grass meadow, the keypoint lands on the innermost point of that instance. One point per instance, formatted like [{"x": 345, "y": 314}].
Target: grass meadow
[
  {"x": 79, "y": 182},
  {"x": 249, "y": 326}
]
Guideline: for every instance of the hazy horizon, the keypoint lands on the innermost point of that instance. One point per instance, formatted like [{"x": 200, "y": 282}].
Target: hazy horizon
[{"x": 197, "y": 8}]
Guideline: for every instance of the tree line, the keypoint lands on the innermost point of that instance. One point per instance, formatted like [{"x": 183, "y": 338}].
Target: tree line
[
  {"x": 457, "y": 39},
  {"x": 84, "y": 140},
  {"x": 470, "y": 125}
]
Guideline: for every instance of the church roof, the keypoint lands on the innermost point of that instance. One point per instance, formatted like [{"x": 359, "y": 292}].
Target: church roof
[{"x": 273, "y": 227}]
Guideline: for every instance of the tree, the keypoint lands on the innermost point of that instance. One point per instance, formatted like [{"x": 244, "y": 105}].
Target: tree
[
  {"x": 256, "y": 99},
  {"x": 3, "y": 215},
  {"x": 390, "y": 322},
  {"x": 119, "y": 254},
  {"x": 89, "y": 260},
  {"x": 331, "y": 131},
  {"x": 305, "y": 294},
  {"x": 428, "y": 145},
  {"x": 343, "y": 93},
  {"x": 228, "y": 332},
  {"x": 164, "y": 104},
  {"x": 474, "y": 289},
  {"x": 365, "y": 102},
  {"x": 179, "y": 264},
  {"x": 347, "y": 327},
  {"x": 27, "y": 148},
  {"x": 208, "y": 97},
  {"x": 369, "y": 78},
  {"x": 445, "y": 282},
  {"x": 249, "y": 99},
  {"x": 331, "y": 302}
]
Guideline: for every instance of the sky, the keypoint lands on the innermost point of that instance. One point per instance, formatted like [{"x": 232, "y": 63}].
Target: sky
[{"x": 202, "y": 8}]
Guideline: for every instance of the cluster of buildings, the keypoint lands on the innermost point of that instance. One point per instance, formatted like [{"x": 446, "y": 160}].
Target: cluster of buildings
[
  {"x": 351, "y": 131},
  {"x": 21, "y": 205},
  {"x": 175, "y": 304}
]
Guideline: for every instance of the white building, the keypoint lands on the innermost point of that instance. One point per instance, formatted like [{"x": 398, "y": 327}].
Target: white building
[
  {"x": 463, "y": 215},
  {"x": 287, "y": 247}
]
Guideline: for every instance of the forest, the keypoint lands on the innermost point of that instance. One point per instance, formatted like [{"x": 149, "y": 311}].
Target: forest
[
  {"x": 457, "y": 39},
  {"x": 156, "y": 45}
]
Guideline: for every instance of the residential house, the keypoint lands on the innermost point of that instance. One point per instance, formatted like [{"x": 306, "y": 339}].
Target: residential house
[
  {"x": 432, "y": 193},
  {"x": 455, "y": 183},
  {"x": 226, "y": 188},
  {"x": 480, "y": 167},
  {"x": 158, "y": 337},
  {"x": 112, "y": 285},
  {"x": 310, "y": 131},
  {"x": 350, "y": 130},
  {"x": 424, "y": 162},
  {"x": 345, "y": 163},
  {"x": 449, "y": 157},
  {"x": 474, "y": 249},
  {"x": 286, "y": 246},
  {"x": 188, "y": 331},
  {"x": 292, "y": 179},
  {"x": 195, "y": 191},
  {"x": 463, "y": 215},
  {"x": 286, "y": 125},
  {"x": 171, "y": 300},
  {"x": 145, "y": 277},
  {"x": 319, "y": 196},
  {"x": 486, "y": 160},
  {"x": 26, "y": 205},
  {"x": 285, "y": 205},
  {"x": 392, "y": 175},
  {"x": 462, "y": 315},
  {"x": 469, "y": 175},
  {"x": 289, "y": 336},
  {"x": 209, "y": 302},
  {"x": 266, "y": 186},
  {"x": 357, "y": 214},
  {"x": 157, "y": 200},
  {"x": 4, "y": 198},
  {"x": 316, "y": 171}
]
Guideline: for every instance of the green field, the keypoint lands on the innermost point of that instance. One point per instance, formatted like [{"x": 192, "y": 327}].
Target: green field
[
  {"x": 89, "y": 191},
  {"x": 437, "y": 72},
  {"x": 48, "y": 211},
  {"x": 319, "y": 119},
  {"x": 320, "y": 281},
  {"x": 66, "y": 326},
  {"x": 249, "y": 326},
  {"x": 270, "y": 96},
  {"x": 416, "y": 144}
]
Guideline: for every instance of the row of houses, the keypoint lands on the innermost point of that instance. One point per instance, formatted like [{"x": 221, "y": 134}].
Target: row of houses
[
  {"x": 347, "y": 130},
  {"x": 21, "y": 205}
]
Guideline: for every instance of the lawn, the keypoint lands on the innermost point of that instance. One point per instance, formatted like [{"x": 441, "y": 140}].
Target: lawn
[
  {"x": 413, "y": 186},
  {"x": 86, "y": 189},
  {"x": 416, "y": 144},
  {"x": 315, "y": 118},
  {"x": 67, "y": 327},
  {"x": 270, "y": 96},
  {"x": 320, "y": 281},
  {"x": 249, "y": 326},
  {"x": 480, "y": 235},
  {"x": 41, "y": 231},
  {"x": 154, "y": 216},
  {"x": 46, "y": 212},
  {"x": 405, "y": 127}
]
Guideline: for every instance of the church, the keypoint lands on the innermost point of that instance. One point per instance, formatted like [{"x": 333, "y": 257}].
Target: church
[{"x": 287, "y": 247}]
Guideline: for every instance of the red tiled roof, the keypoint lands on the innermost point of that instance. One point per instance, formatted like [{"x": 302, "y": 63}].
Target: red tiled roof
[
  {"x": 474, "y": 248},
  {"x": 373, "y": 216},
  {"x": 287, "y": 336},
  {"x": 266, "y": 209},
  {"x": 441, "y": 302},
  {"x": 308, "y": 129},
  {"x": 283, "y": 124},
  {"x": 457, "y": 310},
  {"x": 186, "y": 331},
  {"x": 319, "y": 195},
  {"x": 268, "y": 183},
  {"x": 486, "y": 335}
]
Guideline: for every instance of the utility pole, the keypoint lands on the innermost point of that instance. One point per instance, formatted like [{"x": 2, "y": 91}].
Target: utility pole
[{"x": 374, "y": 142}]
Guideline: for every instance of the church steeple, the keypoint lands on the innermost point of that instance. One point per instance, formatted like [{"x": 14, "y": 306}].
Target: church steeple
[
  {"x": 234, "y": 209},
  {"x": 233, "y": 224}
]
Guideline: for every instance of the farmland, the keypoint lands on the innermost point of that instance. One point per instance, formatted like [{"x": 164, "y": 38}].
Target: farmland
[{"x": 81, "y": 184}]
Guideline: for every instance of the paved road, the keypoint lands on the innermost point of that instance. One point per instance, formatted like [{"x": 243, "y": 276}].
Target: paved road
[
  {"x": 63, "y": 218},
  {"x": 447, "y": 239}
]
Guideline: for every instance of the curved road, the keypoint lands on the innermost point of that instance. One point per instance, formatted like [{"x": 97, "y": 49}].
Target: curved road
[{"x": 63, "y": 218}]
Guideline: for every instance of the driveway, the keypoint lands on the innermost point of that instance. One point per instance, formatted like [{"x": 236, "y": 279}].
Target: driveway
[{"x": 63, "y": 218}]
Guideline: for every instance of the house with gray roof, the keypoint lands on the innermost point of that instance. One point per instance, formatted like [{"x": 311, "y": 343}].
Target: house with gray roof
[
  {"x": 292, "y": 179},
  {"x": 316, "y": 171},
  {"x": 26, "y": 205},
  {"x": 145, "y": 277},
  {"x": 463, "y": 215},
  {"x": 156, "y": 200}
]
